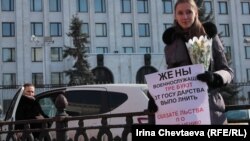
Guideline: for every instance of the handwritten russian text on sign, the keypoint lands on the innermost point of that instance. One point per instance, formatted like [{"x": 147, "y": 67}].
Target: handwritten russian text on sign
[{"x": 180, "y": 97}]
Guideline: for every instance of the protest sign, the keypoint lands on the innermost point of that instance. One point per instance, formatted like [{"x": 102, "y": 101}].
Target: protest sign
[{"x": 180, "y": 97}]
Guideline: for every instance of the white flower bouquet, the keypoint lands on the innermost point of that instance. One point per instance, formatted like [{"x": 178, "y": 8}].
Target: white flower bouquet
[{"x": 200, "y": 50}]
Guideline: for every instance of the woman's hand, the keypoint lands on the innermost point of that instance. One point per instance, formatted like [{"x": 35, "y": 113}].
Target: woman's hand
[{"x": 213, "y": 80}]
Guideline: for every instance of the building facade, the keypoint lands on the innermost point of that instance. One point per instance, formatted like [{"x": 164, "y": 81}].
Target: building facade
[{"x": 127, "y": 34}]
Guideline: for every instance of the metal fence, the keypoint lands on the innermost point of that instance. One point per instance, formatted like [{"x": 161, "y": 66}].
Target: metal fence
[
  {"x": 61, "y": 129},
  {"x": 8, "y": 92}
]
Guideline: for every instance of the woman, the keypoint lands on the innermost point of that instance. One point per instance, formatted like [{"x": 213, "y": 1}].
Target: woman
[{"x": 186, "y": 26}]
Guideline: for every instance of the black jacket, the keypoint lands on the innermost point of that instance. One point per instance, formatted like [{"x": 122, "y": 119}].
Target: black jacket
[
  {"x": 176, "y": 55},
  {"x": 29, "y": 108}
]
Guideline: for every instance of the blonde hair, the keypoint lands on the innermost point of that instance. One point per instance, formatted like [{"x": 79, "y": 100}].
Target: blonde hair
[{"x": 197, "y": 28}]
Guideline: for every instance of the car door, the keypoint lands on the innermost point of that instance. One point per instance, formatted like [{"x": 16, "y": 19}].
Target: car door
[
  {"x": 11, "y": 112},
  {"x": 83, "y": 101}
]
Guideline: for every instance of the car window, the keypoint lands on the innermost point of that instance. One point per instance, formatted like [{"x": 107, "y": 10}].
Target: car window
[
  {"x": 48, "y": 106},
  {"x": 116, "y": 99},
  {"x": 237, "y": 114},
  {"x": 86, "y": 102}
]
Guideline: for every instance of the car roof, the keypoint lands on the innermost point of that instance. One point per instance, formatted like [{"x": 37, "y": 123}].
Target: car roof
[{"x": 113, "y": 85}]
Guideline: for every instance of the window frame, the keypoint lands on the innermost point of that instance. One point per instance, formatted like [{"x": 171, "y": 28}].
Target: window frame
[
  {"x": 37, "y": 54},
  {"x": 145, "y": 49},
  {"x": 226, "y": 30},
  {"x": 127, "y": 30},
  {"x": 85, "y": 29},
  {"x": 58, "y": 27},
  {"x": 142, "y": 6},
  {"x": 247, "y": 55},
  {"x": 101, "y": 8},
  {"x": 103, "y": 29},
  {"x": 10, "y": 3},
  {"x": 223, "y": 7},
  {"x": 145, "y": 30},
  {"x": 125, "y": 50},
  {"x": 34, "y": 6},
  {"x": 58, "y": 57},
  {"x": 166, "y": 4},
  {"x": 125, "y": 6},
  {"x": 245, "y": 8},
  {"x": 37, "y": 78},
  {"x": 206, "y": 5},
  {"x": 57, "y": 5},
  {"x": 59, "y": 78},
  {"x": 102, "y": 50},
  {"x": 36, "y": 27},
  {"x": 12, "y": 52},
  {"x": 82, "y": 6},
  {"x": 11, "y": 28},
  {"x": 12, "y": 80},
  {"x": 246, "y": 33},
  {"x": 248, "y": 74}
]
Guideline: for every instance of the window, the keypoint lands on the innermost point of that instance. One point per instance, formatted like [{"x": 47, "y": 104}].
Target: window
[
  {"x": 142, "y": 6},
  {"x": 48, "y": 105},
  {"x": 9, "y": 54},
  {"x": 6, "y": 105},
  {"x": 7, "y": 5},
  {"x": 36, "y": 54},
  {"x": 245, "y": 6},
  {"x": 126, "y": 29},
  {"x": 8, "y": 29},
  {"x": 9, "y": 79},
  {"x": 126, "y": 6},
  {"x": 82, "y": 5},
  {"x": 248, "y": 75},
  {"x": 36, "y": 5},
  {"x": 246, "y": 30},
  {"x": 223, "y": 7},
  {"x": 167, "y": 25},
  {"x": 144, "y": 30},
  {"x": 224, "y": 29},
  {"x": 100, "y": 6},
  {"x": 101, "y": 50},
  {"x": 145, "y": 50},
  {"x": 87, "y": 49},
  {"x": 247, "y": 50},
  {"x": 167, "y": 6},
  {"x": 56, "y": 78},
  {"x": 208, "y": 7},
  {"x": 54, "y": 5},
  {"x": 228, "y": 52},
  {"x": 56, "y": 54},
  {"x": 37, "y": 28},
  {"x": 87, "y": 102},
  {"x": 85, "y": 28},
  {"x": 37, "y": 79},
  {"x": 128, "y": 50},
  {"x": 101, "y": 29},
  {"x": 55, "y": 29}
]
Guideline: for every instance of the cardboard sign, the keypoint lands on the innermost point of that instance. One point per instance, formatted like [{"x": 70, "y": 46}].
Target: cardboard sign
[{"x": 180, "y": 97}]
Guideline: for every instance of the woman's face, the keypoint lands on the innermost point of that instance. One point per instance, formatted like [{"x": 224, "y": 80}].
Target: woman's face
[{"x": 185, "y": 15}]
